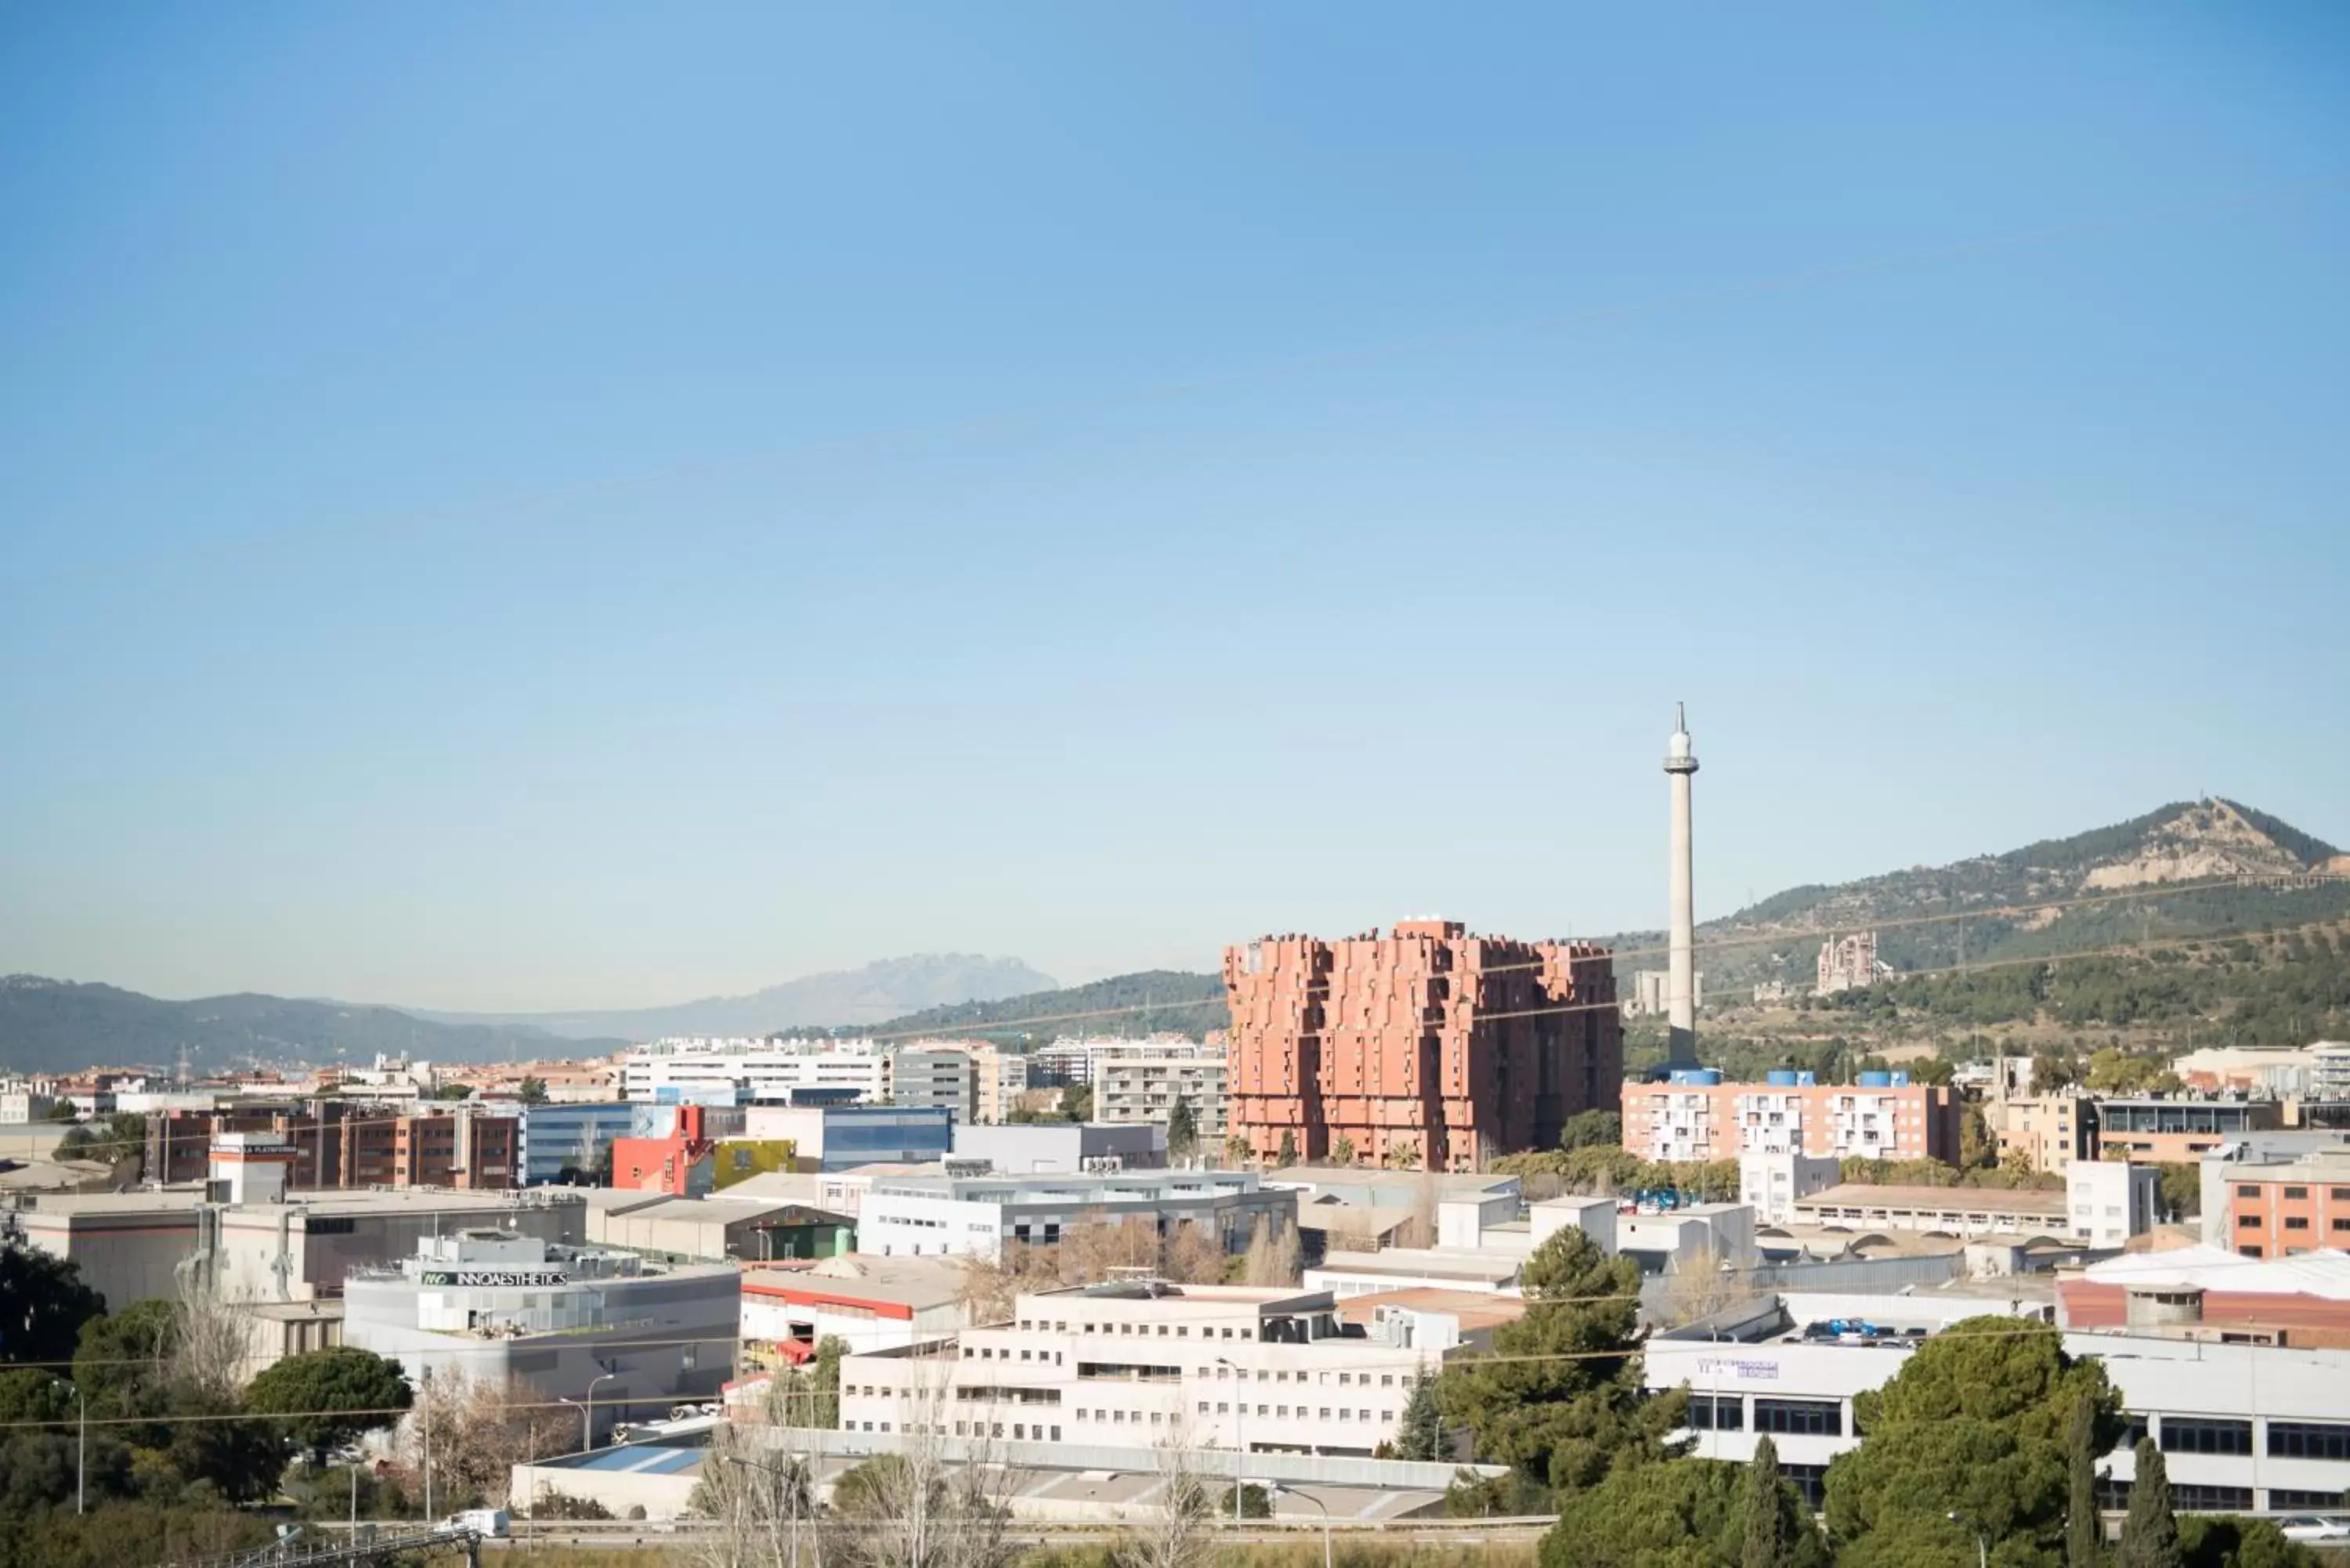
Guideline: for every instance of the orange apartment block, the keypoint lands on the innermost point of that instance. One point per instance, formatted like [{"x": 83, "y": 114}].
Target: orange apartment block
[
  {"x": 341, "y": 1144},
  {"x": 2276, "y": 1211},
  {"x": 1428, "y": 1044},
  {"x": 1696, "y": 1116}
]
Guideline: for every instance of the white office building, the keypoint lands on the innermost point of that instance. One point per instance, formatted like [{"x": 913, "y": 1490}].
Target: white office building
[
  {"x": 2242, "y": 1428},
  {"x": 1771, "y": 1183},
  {"x": 1125, "y": 1366},
  {"x": 568, "y": 1322},
  {"x": 754, "y": 1070},
  {"x": 940, "y": 1216},
  {"x": 2112, "y": 1200}
]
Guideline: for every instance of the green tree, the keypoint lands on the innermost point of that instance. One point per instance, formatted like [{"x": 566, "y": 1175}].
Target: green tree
[
  {"x": 1342, "y": 1150},
  {"x": 1764, "y": 1506},
  {"x": 1076, "y": 1103},
  {"x": 330, "y": 1396},
  {"x": 1288, "y": 1155},
  {"x": 1183, "y": 1130},
  {"x": 1591, "y": 1129},
  {"x": 1678, "y": 1513},
  {"x": 1559, "y": 1398},
  {"x": 2150, "y": 1531},
  {"x": 1422, "y": 1435},
  {"x": 1974, "y": 1425},
  {"x": 531, "y": 1091},
  {"x": 43, "y": 1304},
  {"x": 1253, "y": 1502},
  {"x": 2084, "y": 1532},
  {"x": 824, "y": 1381}
]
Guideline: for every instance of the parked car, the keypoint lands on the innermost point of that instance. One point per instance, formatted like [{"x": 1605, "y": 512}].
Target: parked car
[{"x": 2315, "y": 1527}]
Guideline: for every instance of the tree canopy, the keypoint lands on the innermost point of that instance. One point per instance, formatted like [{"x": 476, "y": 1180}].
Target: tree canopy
[
  {"x": 43, "y": 1305},
  {"x": 1975, "y": 1425},
  {"x": 1559, "y": 1398},
  {"x": 1679, "y": 1514},
  {"x": 330, "y": 1396}
]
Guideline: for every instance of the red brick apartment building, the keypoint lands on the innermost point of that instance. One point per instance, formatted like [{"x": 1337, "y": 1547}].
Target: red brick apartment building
[
  {"x": 1428, "y": 1042},
  {"x": 2276, "y": 1211},
  {"x": 1697, "y": 1117},
  {"x": 346, "y": 1144}
]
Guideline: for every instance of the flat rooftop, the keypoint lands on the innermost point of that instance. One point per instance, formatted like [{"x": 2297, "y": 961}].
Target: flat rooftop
[
  {"x": 1423, "y": 1262},
  {"x": 1938, "y": 1200},
  {"x": 857, "y": 1278},
  {"x": 1476, "y": 1309}
]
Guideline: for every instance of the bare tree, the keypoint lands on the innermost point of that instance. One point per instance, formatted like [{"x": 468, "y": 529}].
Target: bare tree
[
  {"x": 1181, "y": 1530},
  {"x": 474, "y": 1433},
  {"x": 212, "y": 1337},
  {"x": 913, "y": 1508},
  {"x": 1193, "y": 1253},
  {"x": 1272, "y": 1254},
  {"x": 1700, "y": 1286},
  {"x": 761, "y": 1510}
]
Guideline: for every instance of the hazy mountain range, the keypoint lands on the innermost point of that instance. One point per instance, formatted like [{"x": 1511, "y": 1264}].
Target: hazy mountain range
[
  {"x": 881, "y": 991},
  {"x": 57, "y": 1024}
]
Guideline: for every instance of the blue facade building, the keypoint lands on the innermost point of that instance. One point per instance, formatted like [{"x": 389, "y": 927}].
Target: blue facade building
[{"x": 554, "y": 1136}]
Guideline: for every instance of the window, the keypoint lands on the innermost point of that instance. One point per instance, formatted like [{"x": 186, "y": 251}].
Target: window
[
  {"x": 2297, "y": 1192},
  {"x": 1057, "y": 1434},
  {"x": 2248, "y": 1221},
  {"x": 2309, "y": 1441},
  {"x": 2248, "y": 1252},
  {"x": 1816, "y": 1417},
  {"x": 2339, "y": 1195},
  {"x": 2212, "y": 1499},
  {"x": 1717, "y": 1413},
  {"x": 2206, "y": 1435},
  {"x": 2247, "y": 1192},
  {"x": 2283, "y": 1498},
  {"x": 2296, "y": 1222}
]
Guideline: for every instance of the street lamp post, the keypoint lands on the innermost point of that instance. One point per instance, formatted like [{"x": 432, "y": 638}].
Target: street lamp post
[
  {"x": 1279, "y": 1490},
  {"x": 587, "y": 1412},
  {"x": 1982, "y": 1543},
  {"x": 793, "y": 1508},
  {"x": 81, "y": 1449},
  {"x": 1240, "y": 1440}
]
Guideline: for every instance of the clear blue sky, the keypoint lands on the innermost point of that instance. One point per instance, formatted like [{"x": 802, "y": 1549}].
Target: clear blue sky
[{"x": 537, "y": 505}]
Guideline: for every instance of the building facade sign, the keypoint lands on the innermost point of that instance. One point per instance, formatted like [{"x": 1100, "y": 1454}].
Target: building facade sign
[{"x": 495, "y": 1279}]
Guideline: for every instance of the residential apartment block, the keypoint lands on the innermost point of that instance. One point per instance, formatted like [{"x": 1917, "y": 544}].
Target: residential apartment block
[
  {"x": 1428, "y": 1045},
  {"x": 1129, "y": 1366},
  {"x": 1146, "y": 1086},
  {"x": 2050, "y": 1131},
  {"x": 1694, "y": 1115},
  {"x": 342, "y": 1144},
  {"x": 2277, "y": 1211}
]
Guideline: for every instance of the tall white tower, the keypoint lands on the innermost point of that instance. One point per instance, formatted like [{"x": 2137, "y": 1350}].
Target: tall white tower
[{"x": 1680, "y": 941}]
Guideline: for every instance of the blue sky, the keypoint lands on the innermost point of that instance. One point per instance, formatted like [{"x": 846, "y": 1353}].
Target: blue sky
[{"x": 580, "y": 506}]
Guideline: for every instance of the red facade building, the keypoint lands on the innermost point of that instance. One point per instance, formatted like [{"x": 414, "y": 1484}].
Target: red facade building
[{"x": 1428, "y": 1046}]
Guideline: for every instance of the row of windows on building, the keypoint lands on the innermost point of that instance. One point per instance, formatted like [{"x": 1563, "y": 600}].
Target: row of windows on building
[
  {"x": 2293, "y": 1194},
  {"x": 1180, "y": 1331},
  {"x": 1282, "y": 1412},
  {"x": 2175, "y": 1434}
]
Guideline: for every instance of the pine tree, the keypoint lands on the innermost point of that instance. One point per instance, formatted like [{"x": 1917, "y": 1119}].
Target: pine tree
[
  {"x": 2150, "y": 1533},
  {"x": 1766, "y": 1517},
  {"x": 1288, "y": 1147},
  {"x": 2084, "y": 1532},
  {"x": 1423, "y": 1436}
]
